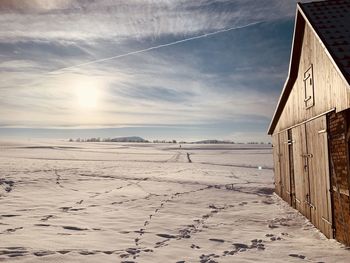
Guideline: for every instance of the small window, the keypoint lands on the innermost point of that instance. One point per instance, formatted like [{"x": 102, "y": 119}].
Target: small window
[{"x": 309, "y": 88}]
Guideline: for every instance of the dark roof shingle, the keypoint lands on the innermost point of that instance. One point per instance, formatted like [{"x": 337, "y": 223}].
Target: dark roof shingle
[{"x": 331, "y": 21}]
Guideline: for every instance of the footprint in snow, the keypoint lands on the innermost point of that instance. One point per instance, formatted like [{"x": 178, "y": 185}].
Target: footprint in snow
[
  {"x": 166, "y": 236},
  {"x": 297, "y": 256}
]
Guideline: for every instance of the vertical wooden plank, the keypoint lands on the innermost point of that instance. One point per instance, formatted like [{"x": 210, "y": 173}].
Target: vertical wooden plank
[
  {"x": 291, "y": 168},
  {"x": 276, "y": 161},
  {"x": 314, "y": 176},
  {"x": 300, "y": 169},
  {"x": 329, "y": 209},
  {"x": 282, "y": 163},
  {"x": 285, "y": 167}
]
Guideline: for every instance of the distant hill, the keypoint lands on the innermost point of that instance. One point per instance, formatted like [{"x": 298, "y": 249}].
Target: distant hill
[{"x": 128, "y": 139}]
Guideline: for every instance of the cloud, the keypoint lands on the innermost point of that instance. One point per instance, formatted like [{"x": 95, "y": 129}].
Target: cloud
[
  {"x": 118, "y": 20},
  {"x": 33, "y": 5},
  {"x": 150, "y": 93},
  {"x": 169, "y": 44},
  {"x": 153, "y": 63}
]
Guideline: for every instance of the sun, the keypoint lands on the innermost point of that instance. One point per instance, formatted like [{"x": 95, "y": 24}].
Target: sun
[
  {"x": 87, "y": 97},
  {"x": 87, "y": 94}
]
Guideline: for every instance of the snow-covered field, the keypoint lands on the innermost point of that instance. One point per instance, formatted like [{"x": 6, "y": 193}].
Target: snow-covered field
[{"x": 113, "y": 202}]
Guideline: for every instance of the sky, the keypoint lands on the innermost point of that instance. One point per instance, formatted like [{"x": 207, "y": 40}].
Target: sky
[{"x": 159, "y": 69}]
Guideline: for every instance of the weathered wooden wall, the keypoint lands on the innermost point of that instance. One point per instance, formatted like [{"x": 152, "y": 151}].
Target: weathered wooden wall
[{"x": 330, "y": 89}]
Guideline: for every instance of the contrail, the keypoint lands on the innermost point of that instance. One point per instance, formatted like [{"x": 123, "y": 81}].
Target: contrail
[{"x": 152, "y": 48}]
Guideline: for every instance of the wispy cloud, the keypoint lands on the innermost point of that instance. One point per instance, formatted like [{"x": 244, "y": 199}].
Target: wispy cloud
[
  {"x": 90, "y": 20},
  {"x": 153, "y": 47},
  {"x": 165, "y": 62}
]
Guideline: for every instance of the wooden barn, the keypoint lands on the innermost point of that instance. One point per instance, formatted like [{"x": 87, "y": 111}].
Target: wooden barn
[{"x": 311, "y": 125}]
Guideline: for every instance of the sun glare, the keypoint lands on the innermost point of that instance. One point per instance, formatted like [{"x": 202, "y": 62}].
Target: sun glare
[
  {"x": 87, "y": 98},
  {"x": 87, "y": 94}
]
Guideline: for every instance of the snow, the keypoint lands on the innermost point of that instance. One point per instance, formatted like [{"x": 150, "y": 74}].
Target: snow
[{"x": 124, "y": 202}]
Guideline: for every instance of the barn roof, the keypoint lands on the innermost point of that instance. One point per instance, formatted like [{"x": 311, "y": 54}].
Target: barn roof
[{"x": 330, "y": 20}]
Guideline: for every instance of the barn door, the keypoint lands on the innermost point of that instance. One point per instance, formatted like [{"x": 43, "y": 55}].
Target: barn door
[
  {"x": 276, "y": 161},
  {"x": 301, "y": 170},
  {"x": 319, "y": 185},
  {"x": 285, "y": 167}
]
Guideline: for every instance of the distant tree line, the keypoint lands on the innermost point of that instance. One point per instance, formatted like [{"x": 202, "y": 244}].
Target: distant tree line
[
  {"x": 258, "y": 143},
  {"x": 122, "y": 139},
  {"x": 164, "y": 141},
  {"x": 104, "y": 140},
  {"x": 141, "y": 140},
  {"x": 86, "y": 140}
]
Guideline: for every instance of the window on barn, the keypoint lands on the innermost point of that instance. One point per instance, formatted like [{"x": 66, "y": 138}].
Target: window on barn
[{"x": 309, "y": 88}]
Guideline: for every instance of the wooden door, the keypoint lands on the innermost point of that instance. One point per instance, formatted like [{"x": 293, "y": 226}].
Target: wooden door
[
  {"x": 276, "y": 161},
  {"x": 285, "y": 167},
  {"x": 319, "y": 198},
  {"x": 301, "y": 171}
]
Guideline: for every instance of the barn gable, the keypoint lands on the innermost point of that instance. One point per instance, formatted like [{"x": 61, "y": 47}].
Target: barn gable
[{"x": 321, "y": 44}]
